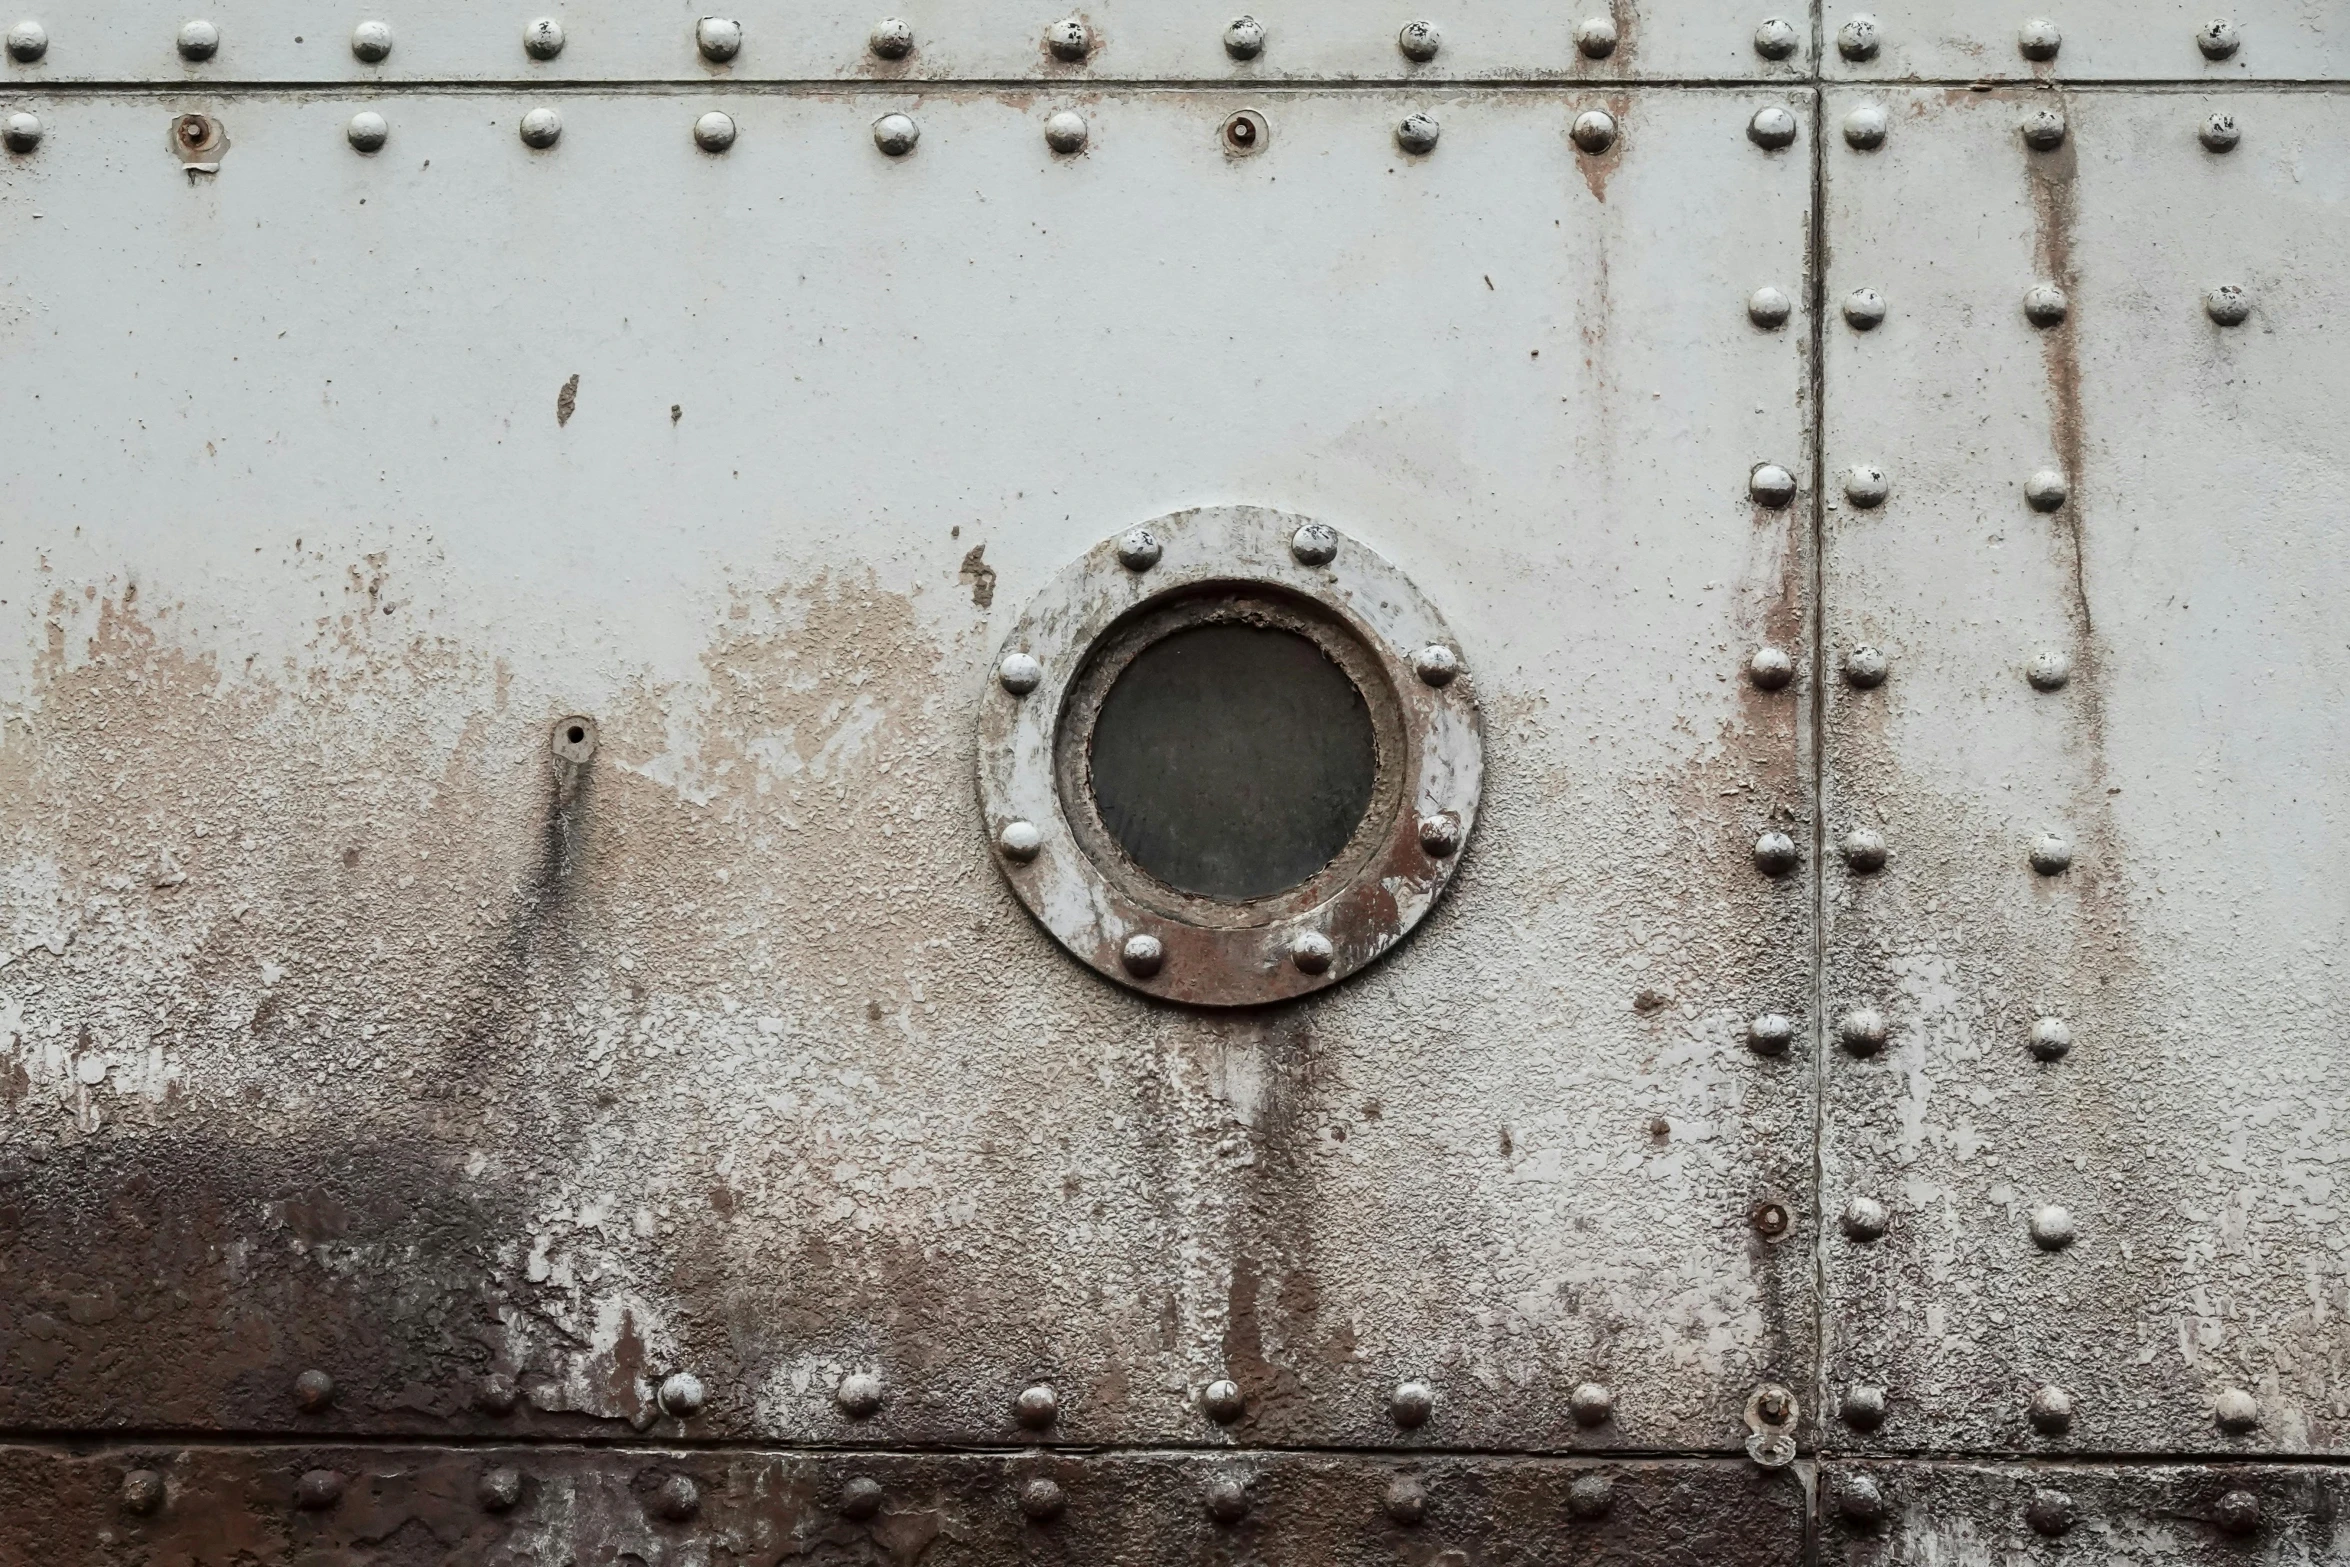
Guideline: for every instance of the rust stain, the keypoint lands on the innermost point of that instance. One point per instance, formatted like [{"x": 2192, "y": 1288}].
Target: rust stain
[
  {"x": 566, "y": 400},
  {"x": 1598, "y": 168},
  {"x": 978, "y": 576}
]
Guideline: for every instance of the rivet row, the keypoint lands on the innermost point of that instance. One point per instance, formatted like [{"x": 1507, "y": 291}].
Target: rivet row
[{"x": 2039, "y": 40}]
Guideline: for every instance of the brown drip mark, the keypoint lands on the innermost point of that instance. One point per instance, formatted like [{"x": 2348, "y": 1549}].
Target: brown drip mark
[
  {"x": 1597, "y": 167},
  {"x": 2052, "y": 176}
]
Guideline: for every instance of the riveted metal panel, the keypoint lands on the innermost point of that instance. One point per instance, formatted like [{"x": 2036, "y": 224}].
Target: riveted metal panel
[
  {"x": 349, "y": 1030},
  {"x": 2150, "y": 671},
  {"x": 2099, "y": 40}
]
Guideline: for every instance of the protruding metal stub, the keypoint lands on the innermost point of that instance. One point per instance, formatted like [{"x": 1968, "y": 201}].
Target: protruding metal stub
[
  {"x": 1315, "y": 544},
  {"x": 891, "y": 39},
  {"x": 1244, "y": 133},
  {"x": 677, "y": 1498},
  {"x": 1407, "y": 1501},
  {"x": 1864, "y": 851},
  {"x": 1865, "y": 667},
  {"x": 1410, "y": 1405},
  {"x": 21, "y": 131},
  {"x": 314, "y": 1392},
  {"x": 1865, "y": 127},
  {"x": 1222, "y": 1401},
  {"x": 2052, "y": 1227},
  {"x": 2049, "y": 669},
  {"x": 714, "y": 131},
  {"x": 1069, "y": 39},
  {"x": 1595, "y": 37},
  {"x": 1866, "y": 486},
  {"x": 1859, "y": 1502},
  {"x": 1769, "y": 308},
  {"x": 541, "y": 128},
  {"x": 1066, "y": 132},
  {"x": 499, "y": 1488},
  {"x": 2051, "y": 854},
  {"x": 1770, "y": 485},
  {"x": 198, "y": 40},
  {"x": 1865, "y": 1220},
  {"x": 1774, "y": 853},
  {"x": 2229, "y": 304},
  {"x": 2046, "y": 490},
  {"x": 1591, "y": 1496},
  {"x": 2218, "y": 39},
  {"x": 1143, "y": 955},
  {"x": 497, "y": 1395},
  {"x": 542, "y": 39},
  {"x": 1037, "y": 1406},
  {"x": 2238, "y": 1512},
  {"x": 371, "y": 42},
  {"x": 1859, "y": 38},
  {"x": 1042, "y": 1500},
  {"x": 1591, "y": 1404},
  {"x": 1227, "y": 1498},
  {"x": 2043, "y": 130},
  {"x": 2039, "y": 39},
  {"x": 1864, "y": 310},
  {"x": 2051, "y": 1512},
  {"x": 682, "y": 1395},
  {"x": 1594, "y": 131},
  {"x": 1770, "y": 1219},
  {"x": 2051, "y": 1039},
  {"x": 1772, "y": 128},
  {"x": 142, "y": 1493},
  {"x": 1419, "y": 41},
  {"x": 1777, "y": 39},
  {"x": 2045, "y": 305},
  {"x": 318, "y": 1489},
  {"x": 28, "y": 40},
  {"x": 1771, "y": 1418},
  {"x": 1139, "y": 549},
  {"x": 1862, "y": 1031},
  {"x": 367, "y": 131},
  {"x": 859, "y": 1395},
  {"x": 1770, "y": 1034},
  {"x": 860, "y": 1499},
  {"x": 1244, "y": 38},
  {"x": 2235, "y": 1411},
  {"x": 1862, "y": 1407},
  {"x": 896, "y": 134},
  {"x": 1416, "y": 133},
  {"x": 200, "y": 141},
  {"x": 2219, "y": 133},
  {"x": 718, "y": 38},
  {"x": 2051, "y": 1410},
  {"x": 1770, "y": 669},
  {"x": 1019, "y": 673},
  {"x": 1312, "y": 952}
]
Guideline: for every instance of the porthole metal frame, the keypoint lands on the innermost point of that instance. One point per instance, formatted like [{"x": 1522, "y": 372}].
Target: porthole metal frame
[{"x": 1070, "y": 873}]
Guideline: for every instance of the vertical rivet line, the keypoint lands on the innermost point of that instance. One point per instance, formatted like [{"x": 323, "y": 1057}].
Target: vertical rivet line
[{"x": 1816, "y": 616}]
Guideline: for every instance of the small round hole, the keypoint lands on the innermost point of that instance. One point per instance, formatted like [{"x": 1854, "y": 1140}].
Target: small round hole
[{"x": 575, "y": 734}]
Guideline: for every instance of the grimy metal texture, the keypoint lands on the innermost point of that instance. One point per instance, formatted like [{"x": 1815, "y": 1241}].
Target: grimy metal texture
[
  {"x": 2168, "y": 41},
  {"x": 350, "y": 1030},
  {"x": 2150, "y": 670}
]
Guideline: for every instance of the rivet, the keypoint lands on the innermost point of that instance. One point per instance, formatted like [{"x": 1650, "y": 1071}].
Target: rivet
[
  {"x": 2052, "y": 1228},
  {"x": 2051, "y": 1512},
  {"x": 1042, "y": 1500},
  {"x": 497, "y": 1394},
  {"x": 1865, "y": 1219},
  {"x": 1311, "y": 951},
  {"x": 1315, "y": 544},
  {"x": 714, "y": 132},
  {"x": 1776, "y": 38},
  {"x": 2045, "y": 305},
  {"x": 1774, "y": 854},
  {"x": 1419, "y": 41},
  {"x": 891, "y": 39},
  {"x": 1436, "y": 664},
  {"x": 1864, "y": 128},
  {"x": 2049, "y": 669},
  {"x": 499, "y": 1488},
  {"x": 1143, "y": 956},
  {"x": 1222, "y": 1401},
  {"x": 1769, "y": 307},
  {"x": 1595, "y": 36},
  {"x": 860, "y": 1499},
  {"x": 1407, "y": 1501},
  {"x": 1590, "y": 1496},
  {"x": 2219, "y": 133},
  {"x": 2051, "y": 855},
  {"x": 1138, "y": 548},
  {"x": 682, "y": 1395},
  {"x": 1769, "y": 1219},
  {"x": 1037, "y": 1406},
  {"x": 1862, "y": 1031},
  {"x": 1417, "y": 132},
  {"x": 1440, "y": 834},
  {"x": 28, "y": 40},
  {"x": 367, "y": 131},
  {"x": 1065, "y": 131},
  {"x": 2051, "y": 1410},
  {"x": 2046, "y": 490},
  {"x": 1770, "y": 1034},
  {"x": 1227, "y": 1499},
  {"x": 371, "y": 42},
  {"x": 2051, "y": 1038},
  {"x": 1591, "y": 1404},
  {"x": 21, "y": 132},
  {"x": 543, "y": 38},
  {"x": 1864, "y": 309},
  {"x": 2238, "y": 1512},
  {"x": 1859, "y": 38},
  {"x": 317, "y": 1490},
  {"x": 1069, "y": 39},
  {"x": 2235, "y": 1411},
  {"x": 1862, "y": 1407},
  {"x": 142, "y": 1492},
  {"x": 719, "y": 39},
  {"x": 1864, "y": 850},
  {"x": 2228, "y": 304},
  {"x": 198, "y": 40},
  {"x": 1594, "y": 130},
  {"x": 859, "y": 1395},
  {"x": 1866, "y": 486},
  {"x": 1864, "y": 667},
  {"x": 1019, "y": 673},
  {"x": 1772, "y": 127},
  {"x": 2039, "y": 39},
  {"x": 677, "y": 1498},
  {"x": 1244, "y": 38},
  {"x": 1019, "y": 841},
  {"x": 541, "y": 127},
  {"x": 895, "y": 134},
  {"x": 2043, "y": 130},
  {"x": 1410, "y": 1405},
  {"x": 1770, "y": 485},
  {"x": 314, "y": 1391},
  {"x": 1858, "y": 1501},
  {"x": 1770, "y": 668},
  {"x": 2218, "y": 39}
]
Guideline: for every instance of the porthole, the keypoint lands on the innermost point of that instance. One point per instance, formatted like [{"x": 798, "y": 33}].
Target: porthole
[{"x": 1228, "y": 757}]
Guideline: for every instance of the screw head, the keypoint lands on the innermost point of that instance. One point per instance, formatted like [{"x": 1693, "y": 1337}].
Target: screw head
[
  {"x": 677, "y": 1498},
  {"x": 1864, "y": 850},
  {"x": 371, "y": 42},
  {"x": 1410, "y": 1405},
  {"x": 1772, "y": 127},
  {"x": 1065, "y": 132},
  {"x": 1860, "y": 1502},
  {"x": 1862, "y": 1407},
  {"x": 28, "y": 40},
  {"x": 1227, "y": 1499},
  {"x": 1143, "y": 956},
  {"x": 2043, "y": 130},
  {"x": 714, "y": 132},
  {"x": 1770, "y": 485},
  {"x": 543, "y": 38},
  {"x": 1417, "y": 133},
  {"x": 2051, "y": 855},
  {"x": 2235, "y": 1411},
  {"x": 1865, "y": 1220},
  {"x": 198, "y": 40},
  {"x": 1419, "y": 41},
  {"x": 1595, "y": 37},
  {"x": 1019, "y": 673},
  {"x": 1222, "y": 1401},
  {"x": 2051, "y": 1410},
  {"x": 2045, "y": 305},
  {"x": 2051, "y": 1512},
  {"x": 2051, "y": 1038},
  {"x": 2228, "y": 304},
  {"x": 541, "y": 127},
  {"x": 1591, "y": 1404},
  {"x": 1859, "y": 38},
  {"x": 1770, "y": 669},
  {"x": 1407, "y": 1501},
  {"x": 499, "y": 1488},
  {"x": 497, "y": 1394},
  {"x": 1776, "y": 38},
  {"x": 1591, "y": 1496},
  {"x": 1862, "y": 1031},
  {"x": 142, "y": 1493},
  {"x": 718, "y": 39},
  {"x": 1864, "y": 309},
  {"x": 2238, "y": 1512},
  {"x": 1866, "y": 486},
  {"x": 2052, "y": 1228},
  {"x": 1069, "y": 39},
  {"x": 1769, "y": 307},
  {"x": 2218, "y": 39},
  {"x": 2049, "y": 669},
  {"x": 314, "y": 1392},
  {"x": 1774, "y": 854},
  {"x": 1037, "y": 1406},
  {"x": 1864, "y": 667},
  {"x": 860, "y": 1499},
  {"x": 859, "y": 1395},
  {"x": 1594, "y": 130},
  {"x": 1311, "y": 951},
  {"x": 20, "y": 132},
  {"x": 891, "y": 39},
  {"x": 2039, "y": 39},
  {"x": 1042, "y": 1500},
  {"x": 895, "y": 134},
  {"x": 318, "y": 1490},
  {"x": 1440, "y": 835},
  {"x": 2219, "y": 132},
  {"x": 1315, "y": 544},
  {"x": 1770, "y": 1034},
  {"x": 1436, "y": 664},
  {"x": 1865, "y": 127},
  {"x": 682, "y": 1395},
  {"x": 2046, "y": 490},
  {"x": 1244, "y": 38}
]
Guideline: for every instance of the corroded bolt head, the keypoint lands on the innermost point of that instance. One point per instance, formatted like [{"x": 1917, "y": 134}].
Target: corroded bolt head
[
  {"x": 1417, "y": 132},
  {"x": 1065, "y": 131},
  {"x": 1410, "y": 1405},
  {"x": 1043, "y": 1500},
  {"x": 2235, "y": 1411},
  {"x": 198, "y": 40},
  {"x": 1227, "y": 1499},
  {"x": 1139, "y": 549},
  {"x": 367, "y": 131},
  {"x": 1865, "y": 1219},
  {"x": 1860, "y": 1502},
  {"x": 1862, "y": 1031},
  {"x": 682, "y": 1395},
  {"x": 1594, "y": 130},
  {"x": 1407, "y": 1501},
  {"x": 27, "y": 41},
  {"x": 1440, "y": 835},
  {"x": 1769, "y": 307},
  {"x": 142, "y": 1493},
  {"x": 2238, "y": 1512},
  {"x": 1864, "y": 667},
  {"x": 318, "y": 1490},
  {"x": 2046, "y": 490},
  {"x": 860, "y": 1499},
  {"x": 895, "y": 134},
  {"x": 1595, "y": 37},
  {"x": 2039, "y": 39},
  {"x": 1862, "y": 1407},
  {"x": 1864, "y": 850},
  {"x": 1769, "y": 1219},
  {"x": 1019, "y": 673},
  {"x": 714, "y": 132},
  {"x": 1773, "y": 1403},
  {"x": 1222, "y": 1401},
  {"x": 1776, "y": 38},
  {"x": 541, "y": 127},
  {"x": 2051, "y": 1512},
  {"x": 1864, "y": 309},
  {"x": 1037, "y": 1406},
  {"x": 1772, "y": 127},
  {"x": 1590, "y": 1496},
  {"x": 677, "y": 1498},
  {"x": 1311, "y": 951},
  {"x": 1244, "y": 38},
  {"x": 2043, "y": 130},
  {"x": 2051, "y": 1038},
  {"x": 1770, "y": 485},
  {"x": 2051, "y": 855},
  {"x": 1069, "y": 39},
  {"x": 1866, "y": 486},
  {"x": 2218, "y": 38},
  {"x": 499, "y": 1488},
  {"x": 2052, "y": 1227},
  {"x": 1143, "y": 955},
  {"x": 21, "y": 132},
  {"x": 314, "y": 1391},
  {"x": 1865, "y": 127},
  {"x": 497, "y": 1394},
  {"x": 543, "y": 38},
  {"x": 1436, "y": 664},
  {"x": 1591, "y": 1404},
  {"x": 371, "y": 42},
  {"x": 1315, "y": 544},
  {"x": 2219, "y": 133},
  {"x": 1770, "y": 668},
  {"x": 859, "y": 1395},
  {"x": 2045, "y": 305},
  {"x": 1770, "y": 1034},
  {"x": 1774, "y": 854},
  {"x": 2051, "y": 1410},
  {"x": 2229, "y": 304},
  {"x": 1859, "y": 38},
  {"x": 718, "y": 39},
  {"x": 891, "y": 39},
  {"x": 2049, "y": 669},
  {"x": 1419, "y": 41}
]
